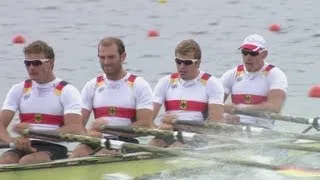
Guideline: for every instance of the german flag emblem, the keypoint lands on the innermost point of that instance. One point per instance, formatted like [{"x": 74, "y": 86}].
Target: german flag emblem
[
  {"x": 247, "y": 99},
  {"x": 38, "y": 118},
  {"x": 112, "y": 111},
  {"x": 183, "y": 104}
]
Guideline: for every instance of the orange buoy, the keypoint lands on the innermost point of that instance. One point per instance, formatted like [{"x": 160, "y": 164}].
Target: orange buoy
[
  {"x": 314, "y": 91},
  {"x": 153, "y": 33},
  {"x": 19, "y": 39},
  {"x": 274, "y": 27}
]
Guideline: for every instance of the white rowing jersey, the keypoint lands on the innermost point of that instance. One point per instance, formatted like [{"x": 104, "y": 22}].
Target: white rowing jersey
[
  {"x": 117, "y": 101},
  {"x": 43, "y": 105},
  {"x": 189, "y": 99},
  {"x": 247, "y": 88}
]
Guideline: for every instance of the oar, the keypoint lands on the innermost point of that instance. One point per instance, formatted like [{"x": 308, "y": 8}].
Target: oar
[
  {"x": 195, "y": 137},
  {"x": 106, "y": 143},
  {"x": 163, "y": 134},
  {"x": 6, "y": 145},
  {"x": 315, "y": 122},
  {"x": 118, "y": 144},
  {"x": 219, "y": 127}
]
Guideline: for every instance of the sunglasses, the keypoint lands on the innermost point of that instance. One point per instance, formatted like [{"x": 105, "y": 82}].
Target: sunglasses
[
  {"x": 35, "y": 62},
  {"x": 252, "y": 53},
  {"x": 185, "y": 61}
]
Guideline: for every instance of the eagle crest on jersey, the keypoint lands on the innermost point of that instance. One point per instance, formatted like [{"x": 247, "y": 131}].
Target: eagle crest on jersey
[
  {"x": 112, "y": 111},
  {"x": 247, "y": 99},
  {"x": 38, "y": 118},
  {"x": 183, "y": 104}
]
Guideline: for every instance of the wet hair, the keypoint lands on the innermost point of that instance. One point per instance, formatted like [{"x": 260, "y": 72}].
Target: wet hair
[
  {"x": 109, "y": 41},
  {"x": 38, "y": 47},
  {"x": 187, "y": 46}
]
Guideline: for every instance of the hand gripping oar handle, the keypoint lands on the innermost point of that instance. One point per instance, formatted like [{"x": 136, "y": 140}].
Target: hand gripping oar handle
[
  {"x": 315, "y": 122},
  {"x": 107, "y": 143},
  {"x": 7, "y": 145}
]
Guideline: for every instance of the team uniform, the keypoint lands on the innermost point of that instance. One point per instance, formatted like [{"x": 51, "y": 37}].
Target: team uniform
[
  {"x": 117, "y": 101},
  {"x": 248, "y": 88},
  {"x": 189, "y": 99},
  {"x": 43, "y": 106}
]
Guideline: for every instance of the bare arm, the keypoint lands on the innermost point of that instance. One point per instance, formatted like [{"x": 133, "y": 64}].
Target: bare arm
[
  {"x": 85, "y": 116},
  {"x": 144, "y": 118},
  {"x": 5, "y": 118},
  {"x": 156, "y": 109},
  {"x": 276, "y": 99},
  {"x": 215, "y": 112},
  {"x": 73, "y": 123}
]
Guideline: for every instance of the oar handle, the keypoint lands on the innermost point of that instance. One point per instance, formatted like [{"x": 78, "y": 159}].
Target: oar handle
[
  {"x": 164, "y": 134},
  {"x": 107, "y": 143},
  {"x": 7, "y": 145}
]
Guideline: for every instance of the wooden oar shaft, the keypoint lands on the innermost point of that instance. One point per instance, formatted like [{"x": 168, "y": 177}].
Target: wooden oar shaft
[
  {"x": 219, "y": 127},
  {"x": 111, "y": 144},
  {"x": 140, "y": 131},
  {"x": 164, "y": 134},
  {"x": 274, "y": 116}
]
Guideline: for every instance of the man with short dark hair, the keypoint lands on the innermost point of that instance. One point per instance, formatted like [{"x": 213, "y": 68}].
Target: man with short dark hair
[{"x": 117, "y": 98}]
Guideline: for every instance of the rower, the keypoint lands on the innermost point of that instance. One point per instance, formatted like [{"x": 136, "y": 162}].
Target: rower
[
  {"x": 44, "y": 102},
  {"x": 188, "y": 94},
  {"x": 116, "y": 98},
  {"x": 255, "y": 84}
]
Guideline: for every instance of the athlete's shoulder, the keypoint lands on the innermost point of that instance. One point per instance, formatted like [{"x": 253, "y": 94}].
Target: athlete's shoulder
[{"x": 65, "y": 86}]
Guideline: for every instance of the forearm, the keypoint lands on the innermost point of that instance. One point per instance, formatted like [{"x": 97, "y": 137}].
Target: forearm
[
  {"x": 268, "y": 107},
  {"x": 143, "y": 123},
  {"x": 73, "y": 129},
  {"x": 4, "y": 134}
]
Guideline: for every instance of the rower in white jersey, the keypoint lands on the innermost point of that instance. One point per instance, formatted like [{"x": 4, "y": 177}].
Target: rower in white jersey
[
  {"x": 117, "y": 98},
  {"x": 43, "y": 101},
  {"x": 255, "y": 84},
  {"x": 188, "y": 94}
]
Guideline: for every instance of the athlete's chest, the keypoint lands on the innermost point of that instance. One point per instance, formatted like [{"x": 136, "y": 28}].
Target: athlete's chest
[
  {"x": 41, "y": 100},
  {"x": 256, "y": 84},
  {"x": 187, "y": 91},
  {"x": 114, "y": 94}
]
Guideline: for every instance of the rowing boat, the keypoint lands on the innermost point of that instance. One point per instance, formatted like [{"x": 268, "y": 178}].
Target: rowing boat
[
  {"x": 148, "y": 162},
  {"x": 141, "y": 165}
]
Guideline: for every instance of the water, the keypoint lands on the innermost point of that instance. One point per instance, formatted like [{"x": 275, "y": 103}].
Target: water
[{"x": 74, "y": 27}]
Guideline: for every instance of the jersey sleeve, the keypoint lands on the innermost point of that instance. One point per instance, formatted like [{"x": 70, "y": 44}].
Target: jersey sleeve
[
  {"x": 143, "y": 94},
  {"x": 71, "y": 100},
  {"x": 215, "y": 91},
  {"x": 12, "y": 99},
  {"x": 277, "y": 80},
  {"x": 159, "y": 92},
  {"x": 227, "y": 80},
  {"x": 87, "y": 94}
]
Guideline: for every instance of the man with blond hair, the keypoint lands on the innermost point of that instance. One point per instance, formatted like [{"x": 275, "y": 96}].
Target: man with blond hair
[
  {"x": 188, "y": 94},
  {"x": 44, "y": 102}
]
